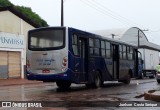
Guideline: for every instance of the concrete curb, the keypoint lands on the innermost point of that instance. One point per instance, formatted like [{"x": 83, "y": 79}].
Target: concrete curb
[
  {"x": 151, "y": 96},
  {"x": 14, "y": 82}
]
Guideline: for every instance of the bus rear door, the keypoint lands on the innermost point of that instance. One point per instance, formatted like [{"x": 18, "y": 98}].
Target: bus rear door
[
  {"x": 83, "y": 59},
  {"x": 115, "y": 54}
]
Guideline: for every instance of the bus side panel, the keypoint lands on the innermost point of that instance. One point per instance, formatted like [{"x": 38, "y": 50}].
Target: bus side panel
[
  {"x": 126, "y": 67},
  {"x": 74, "y": 71},
  {"x": 104, "y": 67},
  {"x": 73, "y": 60},
  {"x": 108, "y": 67}
]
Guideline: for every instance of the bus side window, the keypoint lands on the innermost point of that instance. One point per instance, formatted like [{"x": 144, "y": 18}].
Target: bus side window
[
  {"x": 131, "y": 53},
  {"x": 103, "y": 51},
  {"x": 120, "y": 51},
  {"x": 75, "y": 44},
  {"x": 124, "y": 52},
  {"x": 128, "y": 52},
  {"x": 108, "y": 49},
  {"x": 97, "y": 47},
  {"x": 91, "y": 46}
]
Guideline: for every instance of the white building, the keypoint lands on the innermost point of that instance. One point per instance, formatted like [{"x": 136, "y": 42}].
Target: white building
[
  {"x": 13, "y": 37},
  {"x": 150, "y": 51}
]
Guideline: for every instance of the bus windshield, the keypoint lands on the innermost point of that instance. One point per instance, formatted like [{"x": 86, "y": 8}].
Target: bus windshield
[{"x": 46, "y": 39}]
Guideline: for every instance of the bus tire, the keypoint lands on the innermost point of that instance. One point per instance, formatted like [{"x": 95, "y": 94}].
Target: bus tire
[
  {"x": 158, "y": 81},
  {"x": 127, "y": 81},
  {"x": 89, "y": 86},
  {"x": 63, "y": 84},
  {"x": 141, "y": 76},
  {"x": 98, "y": 80}
]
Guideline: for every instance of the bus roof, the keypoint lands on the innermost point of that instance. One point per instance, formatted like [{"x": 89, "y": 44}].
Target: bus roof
[
  {"x": 92, "y": 35},
  {"x": 115, "y": 41}
]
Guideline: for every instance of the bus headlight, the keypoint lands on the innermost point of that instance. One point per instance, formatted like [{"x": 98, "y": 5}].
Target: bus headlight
[{"x": 64, "y": 64}]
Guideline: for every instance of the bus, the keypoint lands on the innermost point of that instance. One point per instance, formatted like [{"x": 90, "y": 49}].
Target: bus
[{"x": 67, "y": 55}]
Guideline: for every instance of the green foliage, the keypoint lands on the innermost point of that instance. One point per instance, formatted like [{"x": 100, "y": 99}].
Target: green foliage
[
  {"x": 27, "y": 12},
  {"x": 4, "y": 3},
  {"x": 31, "y": 15}
]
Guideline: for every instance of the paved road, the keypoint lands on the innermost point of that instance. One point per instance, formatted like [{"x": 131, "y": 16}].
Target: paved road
[{"x": 112, "y": 91}]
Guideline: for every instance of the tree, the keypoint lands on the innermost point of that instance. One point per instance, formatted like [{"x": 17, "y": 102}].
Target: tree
[
  {"x": 31, "y": 15},
  {"x": 4, "y": 3},
  {"x": 25, "y": 11}
]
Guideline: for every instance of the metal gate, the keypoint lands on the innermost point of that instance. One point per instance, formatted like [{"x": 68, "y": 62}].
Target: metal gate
[{"x": 10, "y": 64}]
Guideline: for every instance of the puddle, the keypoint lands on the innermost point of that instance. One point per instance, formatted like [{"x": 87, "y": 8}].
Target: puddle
[
  {"x": 142, "y": 95},
  {"x": 139, "y": 96},
  {"x": 152, "y": 91}
]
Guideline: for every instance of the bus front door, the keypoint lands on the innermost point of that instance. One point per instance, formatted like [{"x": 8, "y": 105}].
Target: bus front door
[
  {"x": 115, "y": 54},
  {"x": 83, "y": 59}
]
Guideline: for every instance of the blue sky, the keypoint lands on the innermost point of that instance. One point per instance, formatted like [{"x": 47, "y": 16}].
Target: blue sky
[{"x": 101, "y": 14}]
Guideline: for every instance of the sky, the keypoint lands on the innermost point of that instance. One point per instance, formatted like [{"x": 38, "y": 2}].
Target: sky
[{"x": 100, "y": 14}]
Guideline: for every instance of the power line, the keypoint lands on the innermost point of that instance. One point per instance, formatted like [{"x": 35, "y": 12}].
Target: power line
[
  {"x": 102, "y": 11},
  {"x": 114, "y": 13},
  {"x": 96, "y": 4}
]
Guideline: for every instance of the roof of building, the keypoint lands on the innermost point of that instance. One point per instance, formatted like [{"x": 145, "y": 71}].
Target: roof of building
[
  {"x": 130, "y": 35},
  {"x": 20, "y": 15},
  {"x": 149, "y": 45},
  {"x": 109, "y": 32}
]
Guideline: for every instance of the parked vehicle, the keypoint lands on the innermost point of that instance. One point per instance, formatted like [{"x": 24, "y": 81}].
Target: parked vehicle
[
  {"x": 68, "y": 55},
  {"x": 149, "y": 59},
  {"x": 158, "y": 77}
]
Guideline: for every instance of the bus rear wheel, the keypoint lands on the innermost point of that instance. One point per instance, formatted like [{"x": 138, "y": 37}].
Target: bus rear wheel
[
  {"x": 98, "y": 80},
  {"x": 128, "y": 80},
  {"x": 63, "y": 84}
]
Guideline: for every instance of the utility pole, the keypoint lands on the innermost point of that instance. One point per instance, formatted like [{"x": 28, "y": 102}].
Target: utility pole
[
  {"x": 113, "y": 35},
  {"x": 62, "y": 13},
  {"x": 139, "y": 36}
]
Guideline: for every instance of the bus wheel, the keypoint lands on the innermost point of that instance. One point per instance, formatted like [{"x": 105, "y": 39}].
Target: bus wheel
[
  {"x": 98, "y": 80},
  {"x": 127, "y": 81},
  {"x": 89, "y": 86},
  {"x": 63, "y": 84}
]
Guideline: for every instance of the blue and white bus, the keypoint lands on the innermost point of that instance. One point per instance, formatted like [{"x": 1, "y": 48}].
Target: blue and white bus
[{"x": 66, "y": 55}]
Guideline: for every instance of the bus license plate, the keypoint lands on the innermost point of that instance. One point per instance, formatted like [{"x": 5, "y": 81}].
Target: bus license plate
[{"x": 45, "y": 71}]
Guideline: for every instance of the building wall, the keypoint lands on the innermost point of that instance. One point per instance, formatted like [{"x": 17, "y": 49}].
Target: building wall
[
  {"x": 131, "y": 35},
  {"x": 10, "y": 23}
]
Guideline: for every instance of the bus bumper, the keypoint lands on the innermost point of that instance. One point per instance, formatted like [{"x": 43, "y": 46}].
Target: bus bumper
[{"x": 48, "y": 77}]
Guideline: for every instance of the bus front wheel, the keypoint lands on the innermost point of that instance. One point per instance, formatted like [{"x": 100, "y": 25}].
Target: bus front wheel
[{"x": 63, "y": 84}]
